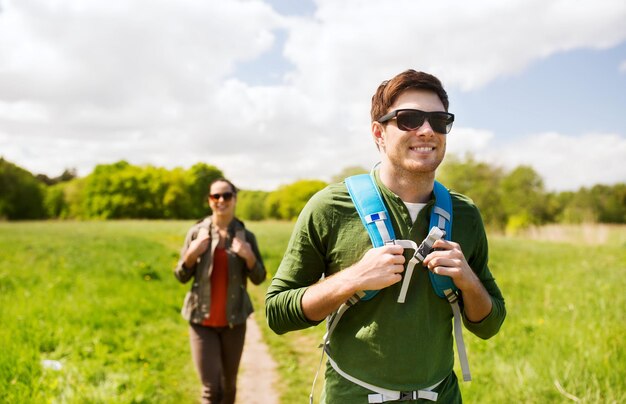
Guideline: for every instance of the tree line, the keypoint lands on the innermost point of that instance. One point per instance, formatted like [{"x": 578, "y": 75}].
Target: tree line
[{"x": 509, "y": 200}]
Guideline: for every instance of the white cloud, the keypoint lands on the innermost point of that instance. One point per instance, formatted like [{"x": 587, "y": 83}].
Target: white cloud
[
  {"x": 622, "y": 67},
  {"x": 468, "y": 44},
  {"x": 86, "y": 82},
  {"x": 565, "y": 162}
]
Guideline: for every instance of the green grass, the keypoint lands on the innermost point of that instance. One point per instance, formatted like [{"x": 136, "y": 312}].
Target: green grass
[
  {"x": 100, "y": 298},
  {"x": 565, "y": 327}
]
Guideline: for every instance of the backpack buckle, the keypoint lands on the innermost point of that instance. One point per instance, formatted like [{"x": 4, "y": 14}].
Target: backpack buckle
[
  {"x": 451, "y": 296},
  {"x": 407, "y": 396}
]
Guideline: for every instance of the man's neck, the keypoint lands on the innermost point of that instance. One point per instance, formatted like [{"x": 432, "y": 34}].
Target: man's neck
[{"x": 409, "y": 186}]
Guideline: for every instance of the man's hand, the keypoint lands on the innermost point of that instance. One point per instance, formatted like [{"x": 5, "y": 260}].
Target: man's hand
[
  {"x": 448, "y": 259},
  {"x": 380, "y": 267}
]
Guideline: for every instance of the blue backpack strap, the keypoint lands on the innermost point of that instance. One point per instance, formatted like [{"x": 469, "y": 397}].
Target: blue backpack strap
[
  {"x": 443, "y": 286},
  {"x": 371, "y": 208},
  {"x": 372, "y": 211},
  {"x": 375, "y": 217},
  {"x": 441, "y": 217}
]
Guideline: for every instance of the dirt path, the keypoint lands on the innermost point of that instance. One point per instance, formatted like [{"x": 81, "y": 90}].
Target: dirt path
[{"x": 258, "y": 370}]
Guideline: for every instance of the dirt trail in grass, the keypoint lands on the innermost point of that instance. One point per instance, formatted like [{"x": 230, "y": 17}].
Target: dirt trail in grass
[{"x": 257, "y": 373}]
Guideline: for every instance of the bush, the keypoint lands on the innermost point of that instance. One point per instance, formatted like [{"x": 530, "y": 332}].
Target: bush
[
  {"x": 287, "y": 202},
  {"x": 21, "y": 194}
]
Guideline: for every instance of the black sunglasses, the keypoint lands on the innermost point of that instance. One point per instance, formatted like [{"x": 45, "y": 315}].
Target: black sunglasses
[
  {"x": 227, "y": 196},
  {"x": 412, "y": 119}
]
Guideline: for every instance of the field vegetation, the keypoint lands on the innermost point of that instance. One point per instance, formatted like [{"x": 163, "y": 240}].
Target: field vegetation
[{"x": 97, "y": 300}]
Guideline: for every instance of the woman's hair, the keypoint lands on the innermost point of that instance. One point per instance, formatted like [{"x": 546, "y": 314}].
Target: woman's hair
[
  {"x": 221, "y": 179},
  {"x": 390, "y": 90}
]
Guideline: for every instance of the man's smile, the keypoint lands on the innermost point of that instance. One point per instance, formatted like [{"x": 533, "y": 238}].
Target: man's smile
[{"x": 422, "y": 149}]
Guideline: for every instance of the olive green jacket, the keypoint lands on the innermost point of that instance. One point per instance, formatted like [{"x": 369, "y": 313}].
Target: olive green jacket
[{"x": 196, "y": 307}]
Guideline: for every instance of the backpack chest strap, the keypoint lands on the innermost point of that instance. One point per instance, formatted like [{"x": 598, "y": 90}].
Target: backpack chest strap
[{"x": 418, "y": 256}]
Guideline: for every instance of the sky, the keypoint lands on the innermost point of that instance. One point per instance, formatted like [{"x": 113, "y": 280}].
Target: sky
[{"x": 276, "y": 91}]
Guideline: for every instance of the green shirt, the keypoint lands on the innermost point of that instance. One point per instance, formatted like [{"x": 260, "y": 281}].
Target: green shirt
[{"x": 388, "y": 344}]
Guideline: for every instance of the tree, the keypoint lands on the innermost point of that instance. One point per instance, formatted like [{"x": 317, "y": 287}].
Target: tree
[
  {"x": 21, "y": 194},
  {"x": 610, "y": 203},
  {"x": 74, "y": 194},
  {"x": 348, "y": 172},
  {"x": 177, "y": 200},
  {"x": 54, "y": 201},
  {"x": 104, "y": 196},
  {"x": 121, "y": 190},
  {"x": 67, "y": 175},
  {"x": 523, "y": 198},
  {"x": 271, "y": 205},
  {"x": 251, "y": 205},
  {"x": 287, "y": 201},
  {"x": 200, "y": 176},
  {"x": 479, "y": 181},
  {"x": 577, "y": 207}
]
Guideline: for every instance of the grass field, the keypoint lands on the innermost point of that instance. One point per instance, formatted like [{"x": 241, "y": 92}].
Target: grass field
[{"x": 99, "y": 298}]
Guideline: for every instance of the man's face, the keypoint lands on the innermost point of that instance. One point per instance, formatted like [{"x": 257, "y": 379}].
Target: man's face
[{"x": 416, "y": 151}]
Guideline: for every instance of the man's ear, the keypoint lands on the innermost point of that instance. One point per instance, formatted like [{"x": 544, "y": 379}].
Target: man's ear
[{"x": 378, "y": 134}]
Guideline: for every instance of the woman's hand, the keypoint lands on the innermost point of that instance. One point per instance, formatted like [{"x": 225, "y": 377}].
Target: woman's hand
[
  {"x": 243, "y": 249},
  {"x": 196, "y": 248}
]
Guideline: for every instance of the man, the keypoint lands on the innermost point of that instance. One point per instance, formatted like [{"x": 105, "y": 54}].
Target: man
[{"x": 400, "y": 347}]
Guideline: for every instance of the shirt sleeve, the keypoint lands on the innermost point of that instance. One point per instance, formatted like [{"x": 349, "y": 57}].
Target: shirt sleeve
[
  {"x": 490, "y": 325},
  {"x": 302, "y": 265}
]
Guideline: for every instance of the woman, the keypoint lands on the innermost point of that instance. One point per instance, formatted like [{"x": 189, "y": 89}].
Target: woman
[{"x": 220, "y": 255}]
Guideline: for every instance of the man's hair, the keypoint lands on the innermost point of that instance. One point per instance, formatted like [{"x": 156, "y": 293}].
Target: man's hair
[
  {"x": 221, "y": 179},
  {"x": 390, "y": 90}
]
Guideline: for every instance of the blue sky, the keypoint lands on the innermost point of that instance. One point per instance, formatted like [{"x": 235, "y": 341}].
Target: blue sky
[
  {"x": 276, "y": 91},
  {"x": 575, "y": 92}
]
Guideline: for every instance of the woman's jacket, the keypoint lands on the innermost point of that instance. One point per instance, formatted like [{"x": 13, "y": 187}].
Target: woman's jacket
[{"x": 196, "y": 307}]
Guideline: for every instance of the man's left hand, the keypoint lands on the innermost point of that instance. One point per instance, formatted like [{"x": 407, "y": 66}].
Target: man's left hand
[{"x": 448, "y": 259}]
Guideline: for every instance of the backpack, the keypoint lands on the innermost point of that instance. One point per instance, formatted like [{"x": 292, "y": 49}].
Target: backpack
[
  {"x": 373, "y": 213},
  {"x": 377, "y": 221}
]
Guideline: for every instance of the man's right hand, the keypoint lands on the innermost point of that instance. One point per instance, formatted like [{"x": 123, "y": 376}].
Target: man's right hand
[{"x": 380, "y": 267}]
